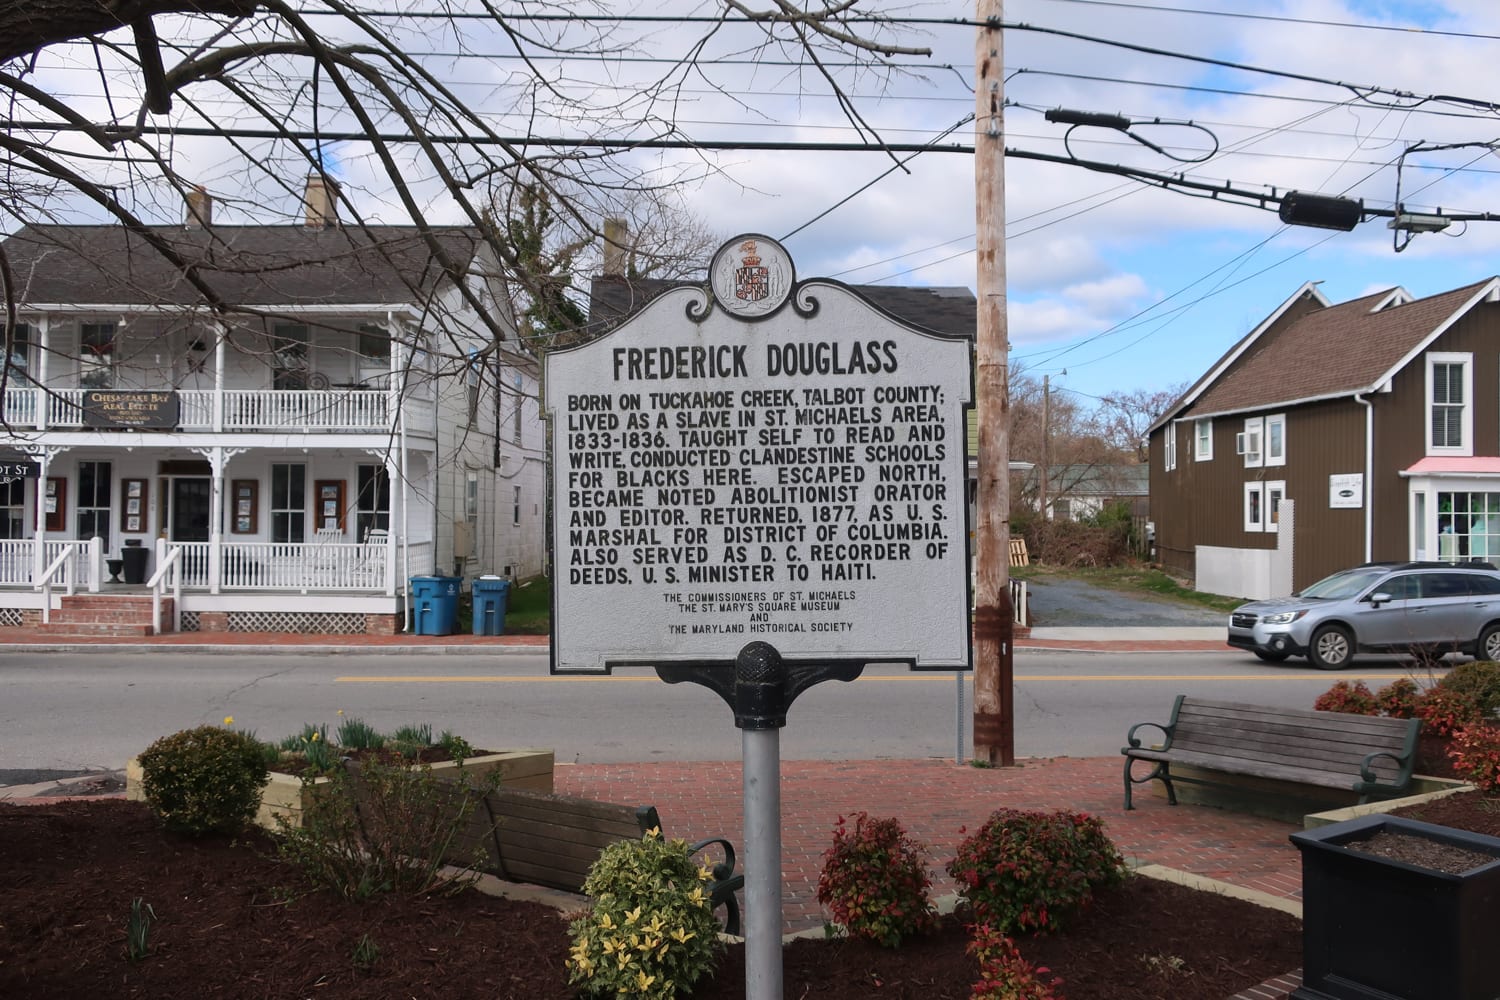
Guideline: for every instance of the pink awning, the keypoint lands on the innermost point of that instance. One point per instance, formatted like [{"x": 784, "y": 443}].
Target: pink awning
[{"x": 1455, "y": 465}]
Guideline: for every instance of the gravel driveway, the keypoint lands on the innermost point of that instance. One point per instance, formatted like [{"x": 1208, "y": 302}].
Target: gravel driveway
[{"x": 1075, "y": 604}]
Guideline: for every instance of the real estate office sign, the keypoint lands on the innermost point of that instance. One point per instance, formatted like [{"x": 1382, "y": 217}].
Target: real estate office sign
[{"x": 762, "y": 459}]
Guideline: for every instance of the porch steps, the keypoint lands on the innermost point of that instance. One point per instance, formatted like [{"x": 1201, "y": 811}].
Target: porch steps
[{"x": 105, "y": 615}]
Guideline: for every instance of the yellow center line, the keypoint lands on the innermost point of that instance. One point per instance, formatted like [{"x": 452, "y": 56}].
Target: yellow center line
[{"x": 946, "y": 678}]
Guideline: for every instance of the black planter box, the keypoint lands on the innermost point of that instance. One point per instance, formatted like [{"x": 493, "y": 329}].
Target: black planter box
[{"x": 1378, "y": 929}]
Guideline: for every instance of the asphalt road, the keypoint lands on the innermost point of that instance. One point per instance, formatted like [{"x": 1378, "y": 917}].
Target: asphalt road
[{"x": 1062, "y": 603}]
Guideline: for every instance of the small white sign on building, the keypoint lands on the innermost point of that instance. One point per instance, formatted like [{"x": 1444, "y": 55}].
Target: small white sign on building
[
  {"x": 1346, "y": 490},
  {"x": 760, "y": 460}
]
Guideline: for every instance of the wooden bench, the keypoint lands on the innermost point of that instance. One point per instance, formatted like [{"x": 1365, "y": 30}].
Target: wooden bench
[
  {"x": 1365, "y": 754},
  {"x": 553, "y": 840}
]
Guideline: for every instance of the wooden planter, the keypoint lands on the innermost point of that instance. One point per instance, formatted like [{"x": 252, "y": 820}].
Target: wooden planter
[
  {"x": 286, "y": 795},
  {"x": 1374, "y": 928}
]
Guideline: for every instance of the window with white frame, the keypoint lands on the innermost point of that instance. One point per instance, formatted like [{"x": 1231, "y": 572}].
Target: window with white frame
[
  {"x": 288, "y": 502},
  {"x": 1203, "y": 440},
  {"x": 1450, "y": 418},
  {"x": 1275, "y": 439},
  {"x": 13, "y": 509},
  {"x": 1275, "y": 492},
  {"x": 372, "y": 501},
  {"x": 1169, "y": 447},
  {"x": 373, "y": 345},
  {"x": 1248, "y": 442},
  {"x": 94, "y": 482},
  {"x": 1263, "y": 505},
  {"x": 515, "y": 509},
  {"x": 1255, "y": 506},
  {"x": 515, "y": 433},
  {"x": 471, "y": 497},
  {"x": 472, "y": 373}
]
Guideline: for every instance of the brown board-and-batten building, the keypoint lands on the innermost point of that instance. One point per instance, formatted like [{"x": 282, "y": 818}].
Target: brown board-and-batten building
[{"x": 1374, "y": 424}]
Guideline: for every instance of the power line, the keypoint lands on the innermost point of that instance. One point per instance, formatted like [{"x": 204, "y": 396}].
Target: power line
[{"x": 1282, "y": 19}]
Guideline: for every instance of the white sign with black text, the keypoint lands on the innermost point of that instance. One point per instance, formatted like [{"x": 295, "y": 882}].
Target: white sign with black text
[
  {"x": 789, "y": 473},
  {"x": 1346, "y": 490}
]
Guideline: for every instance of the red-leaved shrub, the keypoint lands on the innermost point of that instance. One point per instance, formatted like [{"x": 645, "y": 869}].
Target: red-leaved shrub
[
  {"x": 1399, "y": 699},
  {"x": 1350, "y": 697},
  {"x": 875, "y": 881},
  {"x": 1475, "y": 753},
  {"x": 1003, "y": 973},
  {"x": 1444, "y": 711},
  {"x": 1025, "y": 871}
]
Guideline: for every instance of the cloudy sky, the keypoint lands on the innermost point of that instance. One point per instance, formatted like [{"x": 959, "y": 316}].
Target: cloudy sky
[{"x": 1113, "y": 284}]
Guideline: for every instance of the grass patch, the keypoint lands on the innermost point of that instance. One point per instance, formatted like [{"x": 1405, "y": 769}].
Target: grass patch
[
  {"x": 528, "y": 607},
  {"x": 1139, "y": 579}
]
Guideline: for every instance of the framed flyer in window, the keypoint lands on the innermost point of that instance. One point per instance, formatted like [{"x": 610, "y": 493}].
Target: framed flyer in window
[
  {"x": 133, "y": 510},
  {"x": 330, "y": 500},
  {"x": 55, "y": 502},
  {"x": 244, "y": 508}
]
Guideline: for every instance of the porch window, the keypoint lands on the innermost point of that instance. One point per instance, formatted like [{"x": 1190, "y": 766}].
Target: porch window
[
  {"x": 13, "y": 509},
  {"x": 372, "y": 503},
  {"x": 373, "y": 345},
  {"x": 1468, "y": 526},
  {"x": 96, "y": 357},
  {"x": 289, "y": 356},
  {"x": 1450, "y": 420},
  {"x": 93, "y": 501},
  {"x": 288, "y": 503},
  {"x": 19, "y": 340}
]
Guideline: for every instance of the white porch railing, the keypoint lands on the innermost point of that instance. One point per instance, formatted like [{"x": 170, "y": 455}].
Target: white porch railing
[
  {"x": 302, "y": 566},
  {"x": 67, "y": 563},
  {"x": 168, "y": 575},
  {"x": 244, "y": 409}
]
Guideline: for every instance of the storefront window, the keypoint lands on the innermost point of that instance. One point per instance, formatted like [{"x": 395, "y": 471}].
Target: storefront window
[{"x": 1468, "y": 526}]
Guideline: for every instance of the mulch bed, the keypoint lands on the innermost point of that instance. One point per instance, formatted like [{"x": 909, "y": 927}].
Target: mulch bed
[{"x": 231, "y": 921}]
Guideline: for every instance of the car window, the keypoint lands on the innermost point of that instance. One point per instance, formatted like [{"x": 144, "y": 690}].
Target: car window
[
  {"x": 1339, "y": 586},
  {"x": 1446, "y": 585},
  {"x": 1484, "y": 583},
  {"x": 1402, "y": 587}
]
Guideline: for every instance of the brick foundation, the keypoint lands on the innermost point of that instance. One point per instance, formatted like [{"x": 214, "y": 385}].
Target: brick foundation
[
  {"x": 213, "y": 621},
  {"x": 383, "y": 624}
]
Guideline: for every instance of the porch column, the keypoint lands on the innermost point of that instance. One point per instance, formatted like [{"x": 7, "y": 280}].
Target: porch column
[
  {"x": 221, "y": 339},
  {"x": 39, "y": 537},
  {"x": 39, "y": 391},
  {"x": 218, "y": 460},
  {"x": 394, "y": 473}
]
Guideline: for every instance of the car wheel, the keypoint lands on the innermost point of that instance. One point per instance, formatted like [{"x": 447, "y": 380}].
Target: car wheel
[
  {"x": 1488, "y": 647},
  {"x": 1270, "y": 656},
  {"x": 1332, "y": 648}
]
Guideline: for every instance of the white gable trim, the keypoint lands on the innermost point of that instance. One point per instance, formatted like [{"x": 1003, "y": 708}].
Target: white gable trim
[
  {"x": 1490, "y": 292},
  {"x": 1237, "y": 351},
  {"x": 1398, "y": 297}
]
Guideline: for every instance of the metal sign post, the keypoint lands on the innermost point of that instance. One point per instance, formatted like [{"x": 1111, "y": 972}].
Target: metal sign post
[{"x": 757, "y": 486}]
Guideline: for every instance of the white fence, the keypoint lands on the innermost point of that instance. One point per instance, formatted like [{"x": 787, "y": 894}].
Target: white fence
[
  {"x": 323, "y": 566},
  {"x": 244, "y": 409}
]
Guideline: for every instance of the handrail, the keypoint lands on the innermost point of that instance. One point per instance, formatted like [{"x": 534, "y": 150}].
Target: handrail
[
  {"x": 45, "y": 583},
  {"x": 168, "y": 563}
]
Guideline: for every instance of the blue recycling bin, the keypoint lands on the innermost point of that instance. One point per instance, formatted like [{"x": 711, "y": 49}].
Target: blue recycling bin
[
  {"x": 435, "y": 604},
  {"x": 490, "y": 593}
]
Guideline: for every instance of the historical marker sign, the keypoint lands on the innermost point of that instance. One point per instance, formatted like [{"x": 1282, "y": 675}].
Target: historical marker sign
[{"x": 765, "y": 459}]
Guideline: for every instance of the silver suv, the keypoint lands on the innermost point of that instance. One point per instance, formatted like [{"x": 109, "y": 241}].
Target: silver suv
[{"x": 1424, "y": 608}]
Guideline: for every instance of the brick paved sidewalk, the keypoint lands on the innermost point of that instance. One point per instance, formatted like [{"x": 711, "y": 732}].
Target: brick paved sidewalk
[{"x": 935, "y": 800}]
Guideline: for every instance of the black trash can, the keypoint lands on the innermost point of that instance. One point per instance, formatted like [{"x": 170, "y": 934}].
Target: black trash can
[
  {"x": 490, "y": 593},
  {"x": 435, "y": 604},
  {"x": 135, "y": 556}
]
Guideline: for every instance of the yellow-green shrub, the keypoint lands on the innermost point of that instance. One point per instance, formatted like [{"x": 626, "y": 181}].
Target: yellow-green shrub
[{"x": 204, "y": 780}]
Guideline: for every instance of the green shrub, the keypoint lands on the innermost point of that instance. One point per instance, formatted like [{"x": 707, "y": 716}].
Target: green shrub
[
  {"x": 457, "y": 747},
  {"x": 1349, "y": 697},
  {"x": 875, "y": 881},
  {"x": 1003, "y": 973},
  {"x": 651, "y": 931},
  {"x": 1025, "y": 871},
  {"x": 1399, "y": 699},
  {"x": 204, "y": 780},
  {"x": 390, "y": 828},
  {"x": 1478, "y": 682}
]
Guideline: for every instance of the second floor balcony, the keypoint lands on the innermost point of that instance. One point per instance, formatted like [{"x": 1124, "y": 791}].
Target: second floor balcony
[{"x": 347, "y": 409}]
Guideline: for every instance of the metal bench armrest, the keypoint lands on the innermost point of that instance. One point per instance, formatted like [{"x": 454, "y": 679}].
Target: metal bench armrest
[
  {"x": 1133, "y": 742},
  {"x": 1367, "y": 768},
  {"x": 725, "y": 883}
]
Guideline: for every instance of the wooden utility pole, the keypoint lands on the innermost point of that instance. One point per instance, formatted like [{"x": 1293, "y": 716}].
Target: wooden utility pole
[
  {"x": 1042, "y": 479},
  {"x": 994, "y": 717}
]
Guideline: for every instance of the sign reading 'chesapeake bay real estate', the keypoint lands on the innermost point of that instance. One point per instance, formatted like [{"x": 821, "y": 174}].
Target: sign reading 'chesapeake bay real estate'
[{"x": 760, "y": 460}]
